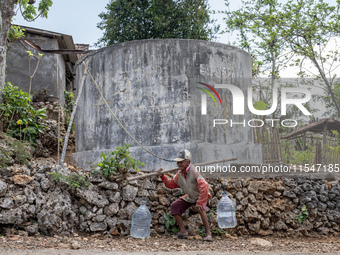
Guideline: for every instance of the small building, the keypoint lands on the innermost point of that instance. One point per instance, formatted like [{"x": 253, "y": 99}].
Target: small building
[
  {"x": 55, "y": 72},
  {"x": 324, "y": 134}
]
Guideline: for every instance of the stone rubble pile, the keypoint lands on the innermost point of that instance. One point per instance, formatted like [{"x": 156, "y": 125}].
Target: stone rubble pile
[
  {"x": 47, "y": 143},
  {"x": 32, "y": 201}
]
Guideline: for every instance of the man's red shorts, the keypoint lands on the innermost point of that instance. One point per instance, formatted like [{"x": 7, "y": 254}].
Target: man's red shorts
[{"x": 179, "y": 206}]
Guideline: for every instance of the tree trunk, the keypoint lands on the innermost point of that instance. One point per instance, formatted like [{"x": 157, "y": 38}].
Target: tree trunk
[
  {"x": 328, "y": 85},
  {"x": 6, "y": 14}
]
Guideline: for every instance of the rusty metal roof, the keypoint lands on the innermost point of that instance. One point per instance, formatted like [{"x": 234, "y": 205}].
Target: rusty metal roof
[
  {"x": 315, "y": 127},
  {"x": 64, "y": 41}
]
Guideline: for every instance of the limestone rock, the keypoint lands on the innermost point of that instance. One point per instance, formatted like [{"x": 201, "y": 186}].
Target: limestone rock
[
  {"x": 124, "y": 226},
  {"x": 92, "y": 197},
  {"x": 31, "y": 209},
  {"x": 280, "y": 225},
  {"x": 164, "y": 201},
  {"x": 129, "y": 193},
  {"x": 288, "y": 193},
  {"x": 147, "y": 184},
  {"x": 307, "y": 187},
  {"x": 101, "y": 226},
  {"x": 75, "y": 245},
  {"x": 251, "y": 213},
  {"x": 255, "y": 227},
  {"x": 55, "y": 216},
  {"x": 22, "y": 179},
  {"x": 13, "y": 216},
  {"x": 143, "y": 193},
  {"x": 159, "y": 228},
  {"x": 32, "y": 229},
  {"x": 108, "y": 185},
  {"x": 46, "y": 184},
  {"x": 31, "y": 196},
  {"x": 263, "y": 232},
  {"x": 3, "y": 188},
  {"x": 99, "y": 218},
  {"x": 266, "y": 187},
  {"x": 111, "y": 221},
  {"x": 263, "y": 207},
  {"x": 253, "y": 187},
  {"x": 261, "y": 242},
  {"x": 112, "y": 209},
  {"x": 7, "y": 203},
  {"x": 127, "y": 212},
  {"x": 20, "y": 200}
]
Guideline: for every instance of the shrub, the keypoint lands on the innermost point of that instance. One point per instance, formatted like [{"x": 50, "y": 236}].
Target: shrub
[
  {"x": 73, "y": 180},
  {"x": 20, "y": 119},
  {"x": 170, "y": 223},
  {"x": 116, "y": 162},
  {"x": 302, "y": 215},
  {"x": 13, "y": 151}
]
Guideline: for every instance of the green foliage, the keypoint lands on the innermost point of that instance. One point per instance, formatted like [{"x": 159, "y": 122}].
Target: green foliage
[
  {"x": 19, "y": 118},
  {"x": 326, "y": 98},
  {"x": 170, "y": 223},
  {"x": 15, "y": 32},
  {"x": 297, "y": 155},
  {"x": 259, "y": 105},
  {"x": 117, "y": 162},
  {"x": 302, "y": 215},
  {"x": 218, "y": 231},
  {"x": 255, "y": 23},
  {"x": 13, "y": 151},
  {"x": 301, "y": 157},
  {"x": 31, "y": 12},
  {"x": 201, "y": 231},
  {"x": 306, "y": 27},
  {"x": 74, "y": 181},
  {"x": 69, "y": 103},
  {"x": 139, "y": 19},
  {"x": 297, "y": 31}
]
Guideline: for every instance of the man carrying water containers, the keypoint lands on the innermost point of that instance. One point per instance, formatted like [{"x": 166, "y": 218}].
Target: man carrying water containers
[{"x": 196, "y": 190}]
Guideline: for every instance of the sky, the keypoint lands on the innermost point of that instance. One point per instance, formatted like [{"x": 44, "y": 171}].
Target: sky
[{"x": 79, "y": 18}]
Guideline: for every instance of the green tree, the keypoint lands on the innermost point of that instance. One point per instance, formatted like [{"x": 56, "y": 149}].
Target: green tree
[
  {"x": 7, "y": 10},
  {"x": 256, "y": 25},
  {"x": 128, "y": 20},
  {"x": 306, "y": 27},
  {"x": 298, "y": 31}
]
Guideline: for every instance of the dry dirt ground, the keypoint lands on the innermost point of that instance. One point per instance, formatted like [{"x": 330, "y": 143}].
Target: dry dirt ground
[{"x": 97, "y": 244}]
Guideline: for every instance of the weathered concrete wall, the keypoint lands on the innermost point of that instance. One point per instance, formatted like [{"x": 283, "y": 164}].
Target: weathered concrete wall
[
  {"x": 51, "y": 71},
  {"x": 147, "y": 85}
]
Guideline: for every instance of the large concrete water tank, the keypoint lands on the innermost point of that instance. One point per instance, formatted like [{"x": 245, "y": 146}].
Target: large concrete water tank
[{"x": 152, "y": 87}]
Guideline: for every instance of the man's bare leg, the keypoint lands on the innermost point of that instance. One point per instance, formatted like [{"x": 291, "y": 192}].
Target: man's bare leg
[
  {"x": 205, "y": 221},
  {"x": 182, "y": 230}
]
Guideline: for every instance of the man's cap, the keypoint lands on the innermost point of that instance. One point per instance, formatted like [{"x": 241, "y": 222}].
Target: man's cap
[{"x": 183, "y": 155}]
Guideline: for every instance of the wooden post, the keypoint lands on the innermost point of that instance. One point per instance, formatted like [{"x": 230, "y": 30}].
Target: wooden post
[
  {"x": 324, "y": 144},
  {"x": 304, "y": 141},
  {"x": 318, "y": 151}
]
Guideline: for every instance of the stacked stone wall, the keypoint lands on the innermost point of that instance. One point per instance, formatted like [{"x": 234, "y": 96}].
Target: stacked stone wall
[{"x": 32, "y": 201}]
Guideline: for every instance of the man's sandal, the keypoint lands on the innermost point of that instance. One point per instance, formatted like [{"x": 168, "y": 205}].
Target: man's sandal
[
  {"x": 208, "y": 239},
  {"x": 181, "y": 236}
]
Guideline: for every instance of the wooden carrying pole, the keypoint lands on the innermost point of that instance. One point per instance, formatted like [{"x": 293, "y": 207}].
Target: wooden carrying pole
[{"x": 176, "y": 169}]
